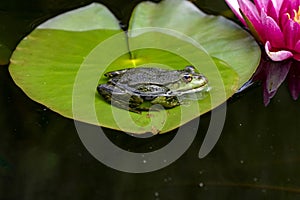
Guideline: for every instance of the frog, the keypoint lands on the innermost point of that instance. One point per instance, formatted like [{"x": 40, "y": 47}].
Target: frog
[{"x": 138, "y": 89}]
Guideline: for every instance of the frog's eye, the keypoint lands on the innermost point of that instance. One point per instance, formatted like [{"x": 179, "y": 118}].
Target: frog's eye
[
  {"x": 190, "y": 68},
  {"x": 187, "y": 78}
]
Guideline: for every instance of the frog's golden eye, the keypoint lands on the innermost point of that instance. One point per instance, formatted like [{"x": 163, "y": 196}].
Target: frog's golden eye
[{"x": 187, "y": 78}]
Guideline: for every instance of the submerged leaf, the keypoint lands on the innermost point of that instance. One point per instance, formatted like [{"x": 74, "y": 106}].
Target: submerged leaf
[{"x": 61, "y": 63}]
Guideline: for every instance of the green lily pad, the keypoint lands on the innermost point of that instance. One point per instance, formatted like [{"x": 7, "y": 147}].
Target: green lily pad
[{"x": 61, "y": 63}]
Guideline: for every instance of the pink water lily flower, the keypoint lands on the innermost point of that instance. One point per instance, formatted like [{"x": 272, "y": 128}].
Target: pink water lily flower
[{"x": 275, "y": 23}]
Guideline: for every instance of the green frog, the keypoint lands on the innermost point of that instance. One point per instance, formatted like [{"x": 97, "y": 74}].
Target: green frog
[{"x": 137, "y": 89}]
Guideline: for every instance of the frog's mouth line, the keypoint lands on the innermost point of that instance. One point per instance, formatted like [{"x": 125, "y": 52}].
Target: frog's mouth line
[{"x": 202, "y": 88}]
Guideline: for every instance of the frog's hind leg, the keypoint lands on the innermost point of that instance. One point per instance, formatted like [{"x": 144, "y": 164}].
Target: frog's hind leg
[
  {"x": 119, "y": 98},
  {"x": 130, "y": 103},
  {"x": 166, "y": 101},
  {"x": 105, "y": 92}
]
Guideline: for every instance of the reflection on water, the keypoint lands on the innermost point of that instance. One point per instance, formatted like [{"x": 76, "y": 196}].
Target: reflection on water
[
  {"x": 273, "y": 74},
  {"x": 42, "y": 157}
]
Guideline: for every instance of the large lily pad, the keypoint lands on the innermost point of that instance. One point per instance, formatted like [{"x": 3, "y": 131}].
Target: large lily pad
[{"x": 60, "y": 63}]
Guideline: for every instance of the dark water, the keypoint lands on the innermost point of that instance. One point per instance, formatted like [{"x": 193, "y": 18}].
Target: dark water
[{"x": 42, "y": 157}]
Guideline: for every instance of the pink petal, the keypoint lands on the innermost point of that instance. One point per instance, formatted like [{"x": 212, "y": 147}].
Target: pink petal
[
  {"x": 278, "y": 55},
  {"x": 272, "y": 12},
  {"x": 288, "y": 6},
  {"x": 284, "y": 8},
  {"x": 284, "y": 19},
  {"x": 277, "y": 4},
  {"x": 249, "y": 9},
  {"x": 259, "y": 74},
  {"x": 252, "y": 15},
  {"x": 234, "y": 6},
  {"x": 296, "y": 57},
  {"x": 272, "y": 31},
  {"x": 297, "y": 51},
  {"x": 261, "y": 4},
  {"x": 291, "y": 32},
  {"x": 297, "y": 47},
  {"x": 294, "y": 4},
  {"x": 294, "y": 80},
  {"x": 276, "y": 73},
  {"x": 267, "y": 96}
]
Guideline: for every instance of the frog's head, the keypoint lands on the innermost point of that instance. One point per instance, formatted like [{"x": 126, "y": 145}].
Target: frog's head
[{"x": 188, "y": 81}]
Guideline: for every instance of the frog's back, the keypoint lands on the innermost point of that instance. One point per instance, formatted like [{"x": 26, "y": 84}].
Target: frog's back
[{"x": 137, "y": 76}]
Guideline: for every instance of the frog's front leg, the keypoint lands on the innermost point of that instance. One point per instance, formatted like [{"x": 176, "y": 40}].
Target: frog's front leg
[
  {"x": 166, "y": 101},
  {"x": 120, "y": 98}
]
